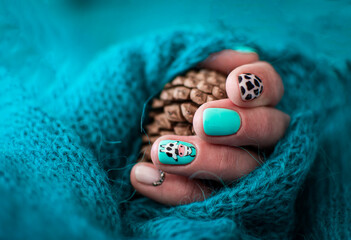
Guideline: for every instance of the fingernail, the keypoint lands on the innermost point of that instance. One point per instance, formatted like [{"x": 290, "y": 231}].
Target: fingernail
[
  {"x": 250, "y": 86},
  {"x": 176, "y": 152},
  {"x": 220, "y": 121},
  {"x": 149, "y": 175},
  {"x": 244, "y": 49}
]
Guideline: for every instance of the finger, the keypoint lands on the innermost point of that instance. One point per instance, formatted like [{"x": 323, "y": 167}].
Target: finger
[
  {"x": 221, "y": 122},
  {"x": 255, "y": 84},
  {"x": 227, "y": 60},
  {"x": 193, "y": 157},
  {"x": 174, "y": 190}
]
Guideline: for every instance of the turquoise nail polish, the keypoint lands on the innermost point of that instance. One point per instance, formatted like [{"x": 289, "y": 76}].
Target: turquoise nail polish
[
  {"x": 244, "y": 49},
  {"x": 220, "y": 121},
  {"x": 176, "y": 152}
]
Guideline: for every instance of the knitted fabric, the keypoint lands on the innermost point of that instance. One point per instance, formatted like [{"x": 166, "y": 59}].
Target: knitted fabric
[{"x": 66, "y": 154}]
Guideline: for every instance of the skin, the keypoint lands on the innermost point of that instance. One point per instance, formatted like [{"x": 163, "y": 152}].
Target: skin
[{"x": 221, "y": 158}]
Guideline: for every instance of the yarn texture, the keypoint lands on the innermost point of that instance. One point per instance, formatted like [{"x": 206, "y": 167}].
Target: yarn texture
[{"x": 66, "y": 154}]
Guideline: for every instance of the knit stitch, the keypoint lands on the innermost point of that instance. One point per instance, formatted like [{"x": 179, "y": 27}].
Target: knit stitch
[{"x": 65, "y": 156}]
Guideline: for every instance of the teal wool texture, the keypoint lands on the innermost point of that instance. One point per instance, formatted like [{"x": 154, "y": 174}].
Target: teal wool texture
[{"x": 66, "y": 154}]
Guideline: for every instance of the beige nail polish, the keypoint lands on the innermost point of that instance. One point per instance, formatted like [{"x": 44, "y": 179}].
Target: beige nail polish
[{"x": 148, "y": 175}]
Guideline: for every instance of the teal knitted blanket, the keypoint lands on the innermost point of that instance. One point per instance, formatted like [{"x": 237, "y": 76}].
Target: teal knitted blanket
[{"x": 66, "y": 152}]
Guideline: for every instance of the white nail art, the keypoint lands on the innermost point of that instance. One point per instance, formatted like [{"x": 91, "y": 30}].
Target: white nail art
[
  {"x": 149, "y": 175},
  {"x": 250, "y": 86}
]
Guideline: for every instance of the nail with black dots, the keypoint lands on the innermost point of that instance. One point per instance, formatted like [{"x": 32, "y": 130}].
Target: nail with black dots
[{"x": 250, "y": 85}]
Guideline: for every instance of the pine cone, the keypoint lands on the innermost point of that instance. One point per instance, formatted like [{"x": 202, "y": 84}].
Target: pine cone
[{"x": 173, "y": 112}]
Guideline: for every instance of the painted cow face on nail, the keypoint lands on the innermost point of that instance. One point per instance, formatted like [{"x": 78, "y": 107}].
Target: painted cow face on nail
[{"x": 174, "y": 149}]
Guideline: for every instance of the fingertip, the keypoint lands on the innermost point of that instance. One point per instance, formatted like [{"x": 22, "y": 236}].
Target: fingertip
[
  {"x": 233, "y": 89},
  {"x": 154, "y": 149},
  {"x": 146, "y": 174},
  {"x": 197, "y": 121},
  {"x": 227, "y": 60},
  {"x": 287, "y": 119},
  {"x": 172, "y": 190},
  {"x": 255, "y": 84}
]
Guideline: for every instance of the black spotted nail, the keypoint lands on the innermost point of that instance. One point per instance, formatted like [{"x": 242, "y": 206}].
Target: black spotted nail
[{"x": 250, "y": 86}]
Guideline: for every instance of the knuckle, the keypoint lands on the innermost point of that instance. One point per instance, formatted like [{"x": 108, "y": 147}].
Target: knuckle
[
  {"x": 191, "y": 191},
  {"x": 226, "y": 161},
  {"x": 264, "y": 123}
]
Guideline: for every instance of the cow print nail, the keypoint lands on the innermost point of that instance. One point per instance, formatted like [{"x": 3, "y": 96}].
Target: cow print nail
[
  {"x": 176, "y": 152},
  {"x": 250, "y": 86}
]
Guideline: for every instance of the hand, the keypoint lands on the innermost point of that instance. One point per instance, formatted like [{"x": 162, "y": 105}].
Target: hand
[{"x": 246, "y": 118}]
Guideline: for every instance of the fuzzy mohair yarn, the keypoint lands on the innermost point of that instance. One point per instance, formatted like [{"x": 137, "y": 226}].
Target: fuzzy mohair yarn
[{"x": 66, "y": 153}]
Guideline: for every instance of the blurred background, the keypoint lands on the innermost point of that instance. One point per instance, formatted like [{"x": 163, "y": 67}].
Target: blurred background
[{"x": 73, "y": 32}]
